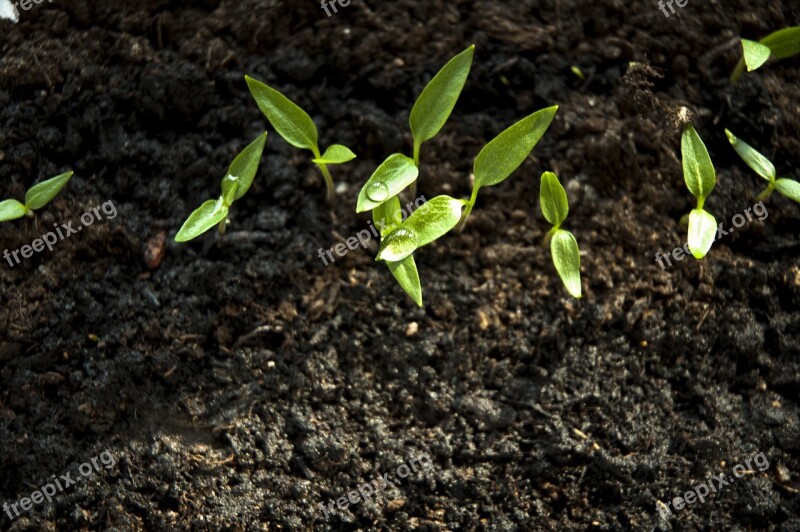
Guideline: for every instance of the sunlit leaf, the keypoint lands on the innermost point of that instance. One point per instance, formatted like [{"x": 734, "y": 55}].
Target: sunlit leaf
[
  {"x": 389, "y": 179},
  {"x": 553, "y": 199},
  {"x": 567, "y": 259},
  {"x": 789, "y": 188},
  {"x": 208, "y": 215},
  {"x": 288, "y": 119},
  {"x": 698, "y": 171},
  {"x": 245, "y": 166},
  {"x": 760, "y": 164},
  {"x": 11, "y": 209},
  {"x": 702, "y": 232},
  {"x": 335, "y": 154},
  {"x": 40, "y": 194}
]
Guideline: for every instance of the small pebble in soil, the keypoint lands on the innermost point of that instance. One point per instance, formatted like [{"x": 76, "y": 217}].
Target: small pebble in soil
[{"x": 412, "y": 328}]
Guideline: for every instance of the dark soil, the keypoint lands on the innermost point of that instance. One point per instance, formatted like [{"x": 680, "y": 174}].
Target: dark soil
[{"x": 242, "y": 383}]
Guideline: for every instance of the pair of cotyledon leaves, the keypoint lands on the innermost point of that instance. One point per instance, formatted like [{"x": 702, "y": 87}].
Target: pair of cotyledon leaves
[
  {"x": 781, "y": 44},
  {"x": 36, "y": 197},
  {"x": 764, "y": 168}
]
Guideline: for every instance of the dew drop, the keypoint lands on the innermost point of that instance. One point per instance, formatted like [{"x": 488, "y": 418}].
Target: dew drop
[{"x": 378, "y": 191}]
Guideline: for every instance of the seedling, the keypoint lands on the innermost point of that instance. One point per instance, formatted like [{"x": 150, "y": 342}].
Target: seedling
[
  {"x": 234, "y": 185},
  {"x": 493, "y": 165},
  {"x": 35, "y": 198},
  {"x": 781, "y": 44},
  {"x": 563, "y": 246},
  {"x": 763, "y": 167},
  {"x": 700, "y": 178},
  {"x": 297, "y": 128}
]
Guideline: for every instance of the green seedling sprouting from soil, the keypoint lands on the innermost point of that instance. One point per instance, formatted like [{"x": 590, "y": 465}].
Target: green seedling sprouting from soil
[
  {"x": 781, "y": 44},
  {"x": 563, "y": 246},
  {"x": 235, "y": 184},
  {"x": 35, "y": 198},
  {"x": 700, "y": 178},
  {"x": 764, "y": 168},
  {"x": 297, "y": 128},
  {"x": 493, "y": 165}
]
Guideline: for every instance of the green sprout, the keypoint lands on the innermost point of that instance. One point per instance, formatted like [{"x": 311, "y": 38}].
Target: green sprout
[
  {"x": 764, "y": 168},
  {"x": 781, "y": 44},
  {"x": 235, "y": 184},
  {"x": 700, "y": 178},
  {"x": 35, "y": 198},
  {"x": 493, "y": 165},
  {"x": 297, "y": 128},
  {"x": 563, "y": 246}
]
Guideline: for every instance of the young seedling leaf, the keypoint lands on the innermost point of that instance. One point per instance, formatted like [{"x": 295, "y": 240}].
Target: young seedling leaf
[
  {"x": 755, "y": 54},
  {"x": 760, "y": 164},
  {"x": 40, "y": 194},
  {"x": 439, "y": 97},
  {"x": 428, "y": 223},
  {"x": 389, "y": 179},
  {"x": 498, "y": 159},
  {"x": 204, "y": 218},
  {"x": 288, "y": 119},
  {"x": 567, "y": 259},
  {"x": 406, "y": 273},
  {"x": 702, "y": 232},
  {"x": 553, "y": 199},
  {"x": 698, "y": 171},
  {"x": 788, "y": 188},
  {"x": 11, "y": 209},
  {"x": 783, "y": 43},
  {"x": 230, "y": 186},
  {"x": 245, "y": 166},
  {"x": 335, "y": 154}
]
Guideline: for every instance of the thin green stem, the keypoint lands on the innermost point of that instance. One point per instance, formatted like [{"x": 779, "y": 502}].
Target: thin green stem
[
  {"x": 416, "y": 163},
  {"x": 767, "y": 192},
  {"x": 223, "y": 226},
  {"x": 331, "y": 192},
  {"x": 549, "y": 236},
  {"x": 468, "y": 210}
]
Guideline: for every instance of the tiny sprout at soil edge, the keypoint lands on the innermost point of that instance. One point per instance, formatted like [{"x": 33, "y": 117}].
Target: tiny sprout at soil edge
[
  {"x": 563, "y": 246},
  {"x": 298, "y": 129},
  {"x": 37, "y": 197},
  {"x": 782, "y": 44},
  {"x": 764, "y": 168},
  {"x": 234, "y": 185},
  {"x": 700, "y": 178}
]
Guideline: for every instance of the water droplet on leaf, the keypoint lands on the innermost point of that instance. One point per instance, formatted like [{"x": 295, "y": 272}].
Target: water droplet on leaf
[{"x": 378, "y": 191}]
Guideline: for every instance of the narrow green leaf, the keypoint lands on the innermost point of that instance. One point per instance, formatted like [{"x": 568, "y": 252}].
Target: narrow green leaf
[
  {"x": 428, "y": 223},
  {"x": 755, "y": 54},
  {"x": 702, "y": 232},
  {"x": 789, "y": 188},
  {"x": 760, "y": 164},
  {"x": 783, "y": 43},
  {"x": 405, "y": 271},
  {"x": 553, "y": 199},
  {"x": 245, "y": 166},
  {"x": 387, "y": 215},
  {"x": 288, "y": 119},
  {"x": 40, "y": 195},
  {"x": 204, "y": 218},
  {"x": 498, "y": 159},
  {"x": 567, "y": 260},
  {"x": 389, "y": 179},
  {"x": 335, "y": 154},
  {"x": 230, "y": 186},
  {"x": 698, "y": 171},
  {"x": 439, "y": 97},
  {"x": 11, "y": 209}
]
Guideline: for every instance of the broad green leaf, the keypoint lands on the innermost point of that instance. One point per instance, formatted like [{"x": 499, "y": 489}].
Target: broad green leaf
[
  {"x": 40, "y": 195},
  {"x": 204, "y": 218},
  {"x": 405, "y": 271},
  {"x": 783, "y": 43},
  {"x": 498, "y": 159},
  {"x": 230, "y": 186},
  {"x": 387, "y": 215},
  {"x": 289, "y": 120},
  {"x": 789, "y": 188},
  {"x": 553, "y": 199},
  {"x": 245, "y": 166},
  {"x": 698, "y": 172},
  {"x": 439, "y": 97},
  {"x": 11, "y": 209},
  {"x": 760, "y": 164},
  {"x": 702, "y": 232},
  {"x": 567, "y": 259},
  {"x": 755, "y": 54},
  {"x": 431, "y": 221},
  {"x": 389, "y": 179},
  {"x": 335, "y": 154}
]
